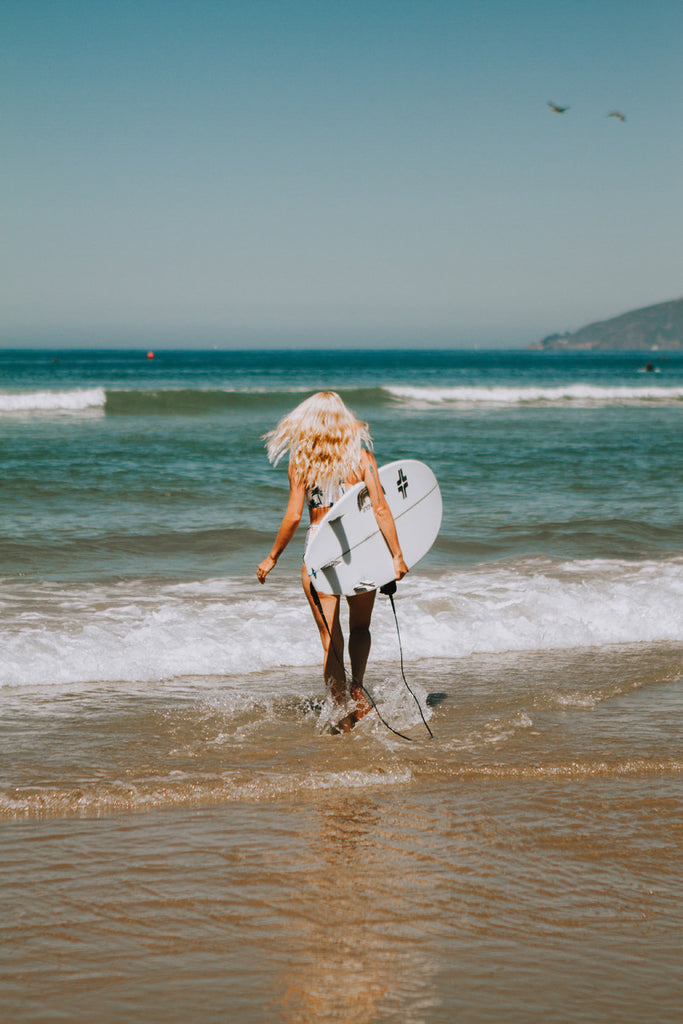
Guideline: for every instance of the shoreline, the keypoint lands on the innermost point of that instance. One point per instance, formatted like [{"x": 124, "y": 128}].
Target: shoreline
[{"x": 115, "y": 749}]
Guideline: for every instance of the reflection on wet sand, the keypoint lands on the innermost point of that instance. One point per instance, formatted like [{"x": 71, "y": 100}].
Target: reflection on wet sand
[{"x": 362, "y": 962}]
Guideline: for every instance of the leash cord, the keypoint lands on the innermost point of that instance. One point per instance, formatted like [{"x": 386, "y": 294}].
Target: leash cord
[{"x": 390, "y": 589}]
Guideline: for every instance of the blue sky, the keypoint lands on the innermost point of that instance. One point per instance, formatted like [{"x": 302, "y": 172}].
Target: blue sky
[{"x": 337, "y": 172}]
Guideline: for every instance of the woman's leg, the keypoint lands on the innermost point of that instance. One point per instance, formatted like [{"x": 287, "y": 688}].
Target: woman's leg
[
  {"x": 333, "y": 669},
  {"x": 360, "y": 614}
]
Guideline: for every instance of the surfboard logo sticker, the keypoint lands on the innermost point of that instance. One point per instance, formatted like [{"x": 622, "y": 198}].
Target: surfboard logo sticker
[
  {"x": 402, "y": 484},
  {"x": 363, "y": 499}
]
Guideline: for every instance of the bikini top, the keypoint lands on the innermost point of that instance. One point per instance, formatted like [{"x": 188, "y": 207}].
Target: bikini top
[{"x": 324, "y": 497}]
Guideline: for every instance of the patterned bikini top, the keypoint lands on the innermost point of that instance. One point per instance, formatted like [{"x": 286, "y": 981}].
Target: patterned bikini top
[{"x": 325, "y": 497}]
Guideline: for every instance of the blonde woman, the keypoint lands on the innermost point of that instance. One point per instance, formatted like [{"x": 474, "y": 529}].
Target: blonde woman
[{"x": 329, "y": 450}]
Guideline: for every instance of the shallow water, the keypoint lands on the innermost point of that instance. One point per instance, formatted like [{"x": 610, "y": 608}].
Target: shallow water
[{"x": 524, "y": 865}]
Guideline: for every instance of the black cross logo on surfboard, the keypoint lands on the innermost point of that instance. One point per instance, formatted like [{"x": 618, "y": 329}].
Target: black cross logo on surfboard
[{"x": 402, "y": 483}]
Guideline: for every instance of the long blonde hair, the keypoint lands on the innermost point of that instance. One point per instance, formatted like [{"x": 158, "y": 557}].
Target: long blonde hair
[{"x": 324, "y": 440}]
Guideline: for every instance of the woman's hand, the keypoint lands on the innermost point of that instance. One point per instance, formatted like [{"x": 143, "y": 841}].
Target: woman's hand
[
  {"x": 400, "y": 567},
  {"x": 264, "y": 568}
]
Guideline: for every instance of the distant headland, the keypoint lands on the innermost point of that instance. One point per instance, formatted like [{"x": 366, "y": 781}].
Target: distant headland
[{"x": 652, "y": 328}]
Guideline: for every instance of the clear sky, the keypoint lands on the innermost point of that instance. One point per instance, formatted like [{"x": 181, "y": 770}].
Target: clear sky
[{"x": 337, "y": 171}]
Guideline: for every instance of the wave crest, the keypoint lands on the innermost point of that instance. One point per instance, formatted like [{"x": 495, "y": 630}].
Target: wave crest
[
  {"x": 143, "y": 632},
  {"x": 507, "y": 395},
  {"x": 31, "y": 402}
]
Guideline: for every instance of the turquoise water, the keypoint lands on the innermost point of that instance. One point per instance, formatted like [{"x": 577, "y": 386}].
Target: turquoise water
[
  {"x": 115, "y": 465},
  {"x": 126, "y": 479}
]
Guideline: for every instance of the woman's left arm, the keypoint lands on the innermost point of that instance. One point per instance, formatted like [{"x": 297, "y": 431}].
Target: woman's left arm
[{"x": 288, "y": 526}]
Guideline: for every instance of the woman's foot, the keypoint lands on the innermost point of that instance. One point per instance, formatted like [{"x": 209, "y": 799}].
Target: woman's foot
[
  {"x": 345, "y": 724},
  {"x": 362, "y": 708},
  {"x": 363, "y": 705}
]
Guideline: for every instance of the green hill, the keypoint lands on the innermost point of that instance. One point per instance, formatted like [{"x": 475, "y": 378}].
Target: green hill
[{"x": 651, "y": 328}]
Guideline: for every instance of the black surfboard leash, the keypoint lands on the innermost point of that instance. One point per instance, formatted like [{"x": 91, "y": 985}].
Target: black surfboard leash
[
  {"x": 390, "y": 589},
  {"x": 390, "y": 593}
]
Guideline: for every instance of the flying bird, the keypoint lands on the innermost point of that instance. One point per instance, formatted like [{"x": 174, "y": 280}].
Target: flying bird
[
  {"x": 617, "y": 113},
  {"x": 558, "y": 110}
]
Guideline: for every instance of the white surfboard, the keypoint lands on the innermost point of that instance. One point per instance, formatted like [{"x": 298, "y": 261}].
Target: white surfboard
[{"x": 348, "y": 554}]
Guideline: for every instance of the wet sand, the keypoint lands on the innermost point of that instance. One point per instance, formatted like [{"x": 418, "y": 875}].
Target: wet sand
[{"x": 525, "y": 866}]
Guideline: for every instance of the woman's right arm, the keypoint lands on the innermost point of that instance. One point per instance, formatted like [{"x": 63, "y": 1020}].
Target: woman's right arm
[
  {"x": 383, "y": 515},
  {"x": 288, "y": 526}
]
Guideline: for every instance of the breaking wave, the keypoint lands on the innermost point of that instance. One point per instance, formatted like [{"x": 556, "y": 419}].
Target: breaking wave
[
  {"x": 76, "y": 401},
  {"x": 572, "y": 394},
  {"x": 203, "y": 401},
  {"x": 148, "y": 632}
]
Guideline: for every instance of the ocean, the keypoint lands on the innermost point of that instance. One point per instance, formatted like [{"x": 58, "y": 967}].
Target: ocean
[{"x": 182, "y": 837}]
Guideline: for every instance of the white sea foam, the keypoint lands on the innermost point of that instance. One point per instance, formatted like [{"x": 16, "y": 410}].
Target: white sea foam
[
  {"x": 149, "y": 633},
  {"x": 77, "y": 401},
  {"x": 574, "y": 394}
]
